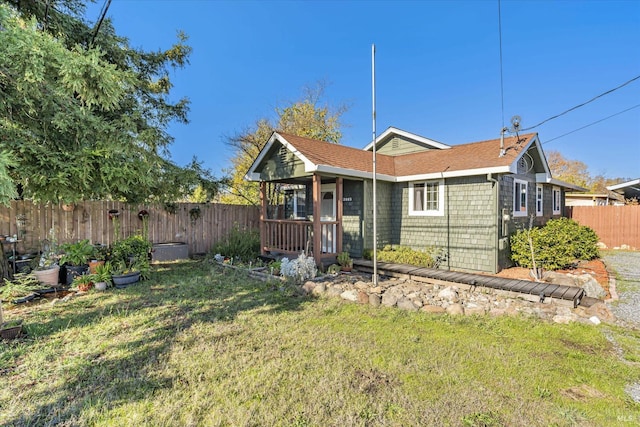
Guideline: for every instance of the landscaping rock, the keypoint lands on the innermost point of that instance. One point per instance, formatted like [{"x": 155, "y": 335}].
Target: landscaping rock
[
  {"x": 590, "y": 285},
  {"x": 595, "y": 320},
  {"x": 565, "y": 318},
  {"x": 375, "y": 300},
  {"x": 455, "y": 309},
  {"x": 471, "y": 309},
  {"x": 334, "y": 291},
  {"x": 350, "y": 295},
  {"x": 406, "y": 304},
  {"x": 601, "y": 310},
  {"x": 449, "y": 293},
  {"x": 308, "y": 287},
  {"x": 558, "y": 278},
  {"x": 319, "y": 289},
  {"x": 363, "y": 297},
  {"x": 432, "y": 309},
  {"x": 389, "y": 299}
]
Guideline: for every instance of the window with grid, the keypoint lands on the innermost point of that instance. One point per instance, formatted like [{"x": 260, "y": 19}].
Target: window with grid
[
  {"x": 519, "y": 198},
  {"x": 556, "y": 200},
  {"x": 539, "y": 197},
  {"x": 426, "y": 198}
]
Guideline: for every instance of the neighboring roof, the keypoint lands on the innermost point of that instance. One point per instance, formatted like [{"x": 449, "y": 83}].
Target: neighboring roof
[
  {"x": 460, "y": 160},
  {"x": 629, "y": 189},
  {"x": 610, "y": 196},
  {"x": 391, "y": 131}
]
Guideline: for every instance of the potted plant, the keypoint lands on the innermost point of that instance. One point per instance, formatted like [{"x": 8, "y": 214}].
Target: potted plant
[
  {"x": 75, "y": 258},
  {"x": 130, "y": 260},
  {"x": 102, "y": 276},
  {"x": 83, "y": 282},
  {"x": 124, "y": 275},
  {"x": 11, "y": 329},
  {"x": 48, "y": 271},
  {"x": 345, "y": 261},
  {"x": 98, "y": 257}
]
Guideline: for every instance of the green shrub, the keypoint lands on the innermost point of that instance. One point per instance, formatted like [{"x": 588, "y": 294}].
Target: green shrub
[
  {"x": 239, "y": 244},
  {"x": 405, "y": 255},
  {"x": 556, "y": 245},
  {"x": 132, "y": 249}
]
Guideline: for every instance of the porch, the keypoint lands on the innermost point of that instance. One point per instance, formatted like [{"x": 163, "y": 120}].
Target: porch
[{"x": 317, "y": 230}]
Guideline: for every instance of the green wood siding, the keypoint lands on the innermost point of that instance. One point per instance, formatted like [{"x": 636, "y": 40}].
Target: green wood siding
[
  {"x": 384, "y": 194},
  {"x": 467, "y": 229},
  {"x": 279, "y": 164},
  {"x": 398, "y": 145}
]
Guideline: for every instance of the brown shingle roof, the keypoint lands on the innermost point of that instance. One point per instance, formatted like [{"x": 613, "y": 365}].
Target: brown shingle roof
[
  {"x": 340, "y": 156},
  {"x": 476, "y": 155}
]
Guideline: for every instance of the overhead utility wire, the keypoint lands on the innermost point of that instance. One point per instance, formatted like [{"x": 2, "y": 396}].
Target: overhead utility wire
[
  {"x": 591, "y": 124},
  {"x": 103, "y": 13},
  {"x": 583, "y": 104}
]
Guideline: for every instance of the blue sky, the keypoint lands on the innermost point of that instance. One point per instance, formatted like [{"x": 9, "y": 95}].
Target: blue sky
[{"x": 437, "y": 69}]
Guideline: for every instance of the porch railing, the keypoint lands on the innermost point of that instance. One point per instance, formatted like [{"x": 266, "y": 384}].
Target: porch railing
[{"x": 295, "y": 236}]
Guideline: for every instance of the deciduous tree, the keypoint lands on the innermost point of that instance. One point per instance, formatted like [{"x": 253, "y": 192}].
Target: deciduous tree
[
  {"x": 306, "y": 117},
  {"x": 572, "y": 171}
]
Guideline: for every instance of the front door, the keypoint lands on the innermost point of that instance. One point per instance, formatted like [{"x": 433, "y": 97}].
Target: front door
[{"x": 328, "y": 213}]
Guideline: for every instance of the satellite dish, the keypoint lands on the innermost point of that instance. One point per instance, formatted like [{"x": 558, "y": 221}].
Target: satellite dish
[{"x": 515, "y": 122}]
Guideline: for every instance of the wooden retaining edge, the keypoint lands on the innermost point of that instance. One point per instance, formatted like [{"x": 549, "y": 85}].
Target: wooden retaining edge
[{"x": 500, "y": 292}]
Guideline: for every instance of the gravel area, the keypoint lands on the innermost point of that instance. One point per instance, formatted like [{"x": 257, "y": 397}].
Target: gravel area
[
  {"x": 627, "y": 308},
  {"x": 627, "y": 267}
]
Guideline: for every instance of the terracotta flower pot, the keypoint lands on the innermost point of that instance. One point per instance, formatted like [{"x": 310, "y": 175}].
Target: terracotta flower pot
[{"x": 93, "y": 265}]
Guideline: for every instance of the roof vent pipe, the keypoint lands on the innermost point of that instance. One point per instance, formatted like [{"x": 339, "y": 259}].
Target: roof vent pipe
[{"x": 502, "y": 150}]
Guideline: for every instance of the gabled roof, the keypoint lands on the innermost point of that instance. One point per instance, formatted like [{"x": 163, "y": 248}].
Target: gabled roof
[
  {"x": 391, "y": 131},
  {"x": 460, "y": 160}
]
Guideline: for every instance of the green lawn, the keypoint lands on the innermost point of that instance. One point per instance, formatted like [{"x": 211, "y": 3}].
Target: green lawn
[{"x": 198, "y": 345}]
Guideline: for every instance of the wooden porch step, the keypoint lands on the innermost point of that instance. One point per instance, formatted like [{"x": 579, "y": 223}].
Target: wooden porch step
[{"x": 533, "y": 291}]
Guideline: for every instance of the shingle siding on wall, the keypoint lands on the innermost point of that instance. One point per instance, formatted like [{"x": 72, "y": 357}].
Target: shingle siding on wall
[
  {"x": 384, "y": 196},
  {"x": 523, "y": 222},
  {"x": 467, "y": 227},
  {"x": 352, "y": 223}
]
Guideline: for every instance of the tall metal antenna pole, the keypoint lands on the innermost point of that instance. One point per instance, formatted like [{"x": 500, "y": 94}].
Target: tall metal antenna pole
[{"x": 375, "y": 198}]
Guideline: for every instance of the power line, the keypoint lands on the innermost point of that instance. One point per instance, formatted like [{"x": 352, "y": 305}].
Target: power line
[
  {"x": 591, "y": 124},
  {"x": 584, "y": 103}
]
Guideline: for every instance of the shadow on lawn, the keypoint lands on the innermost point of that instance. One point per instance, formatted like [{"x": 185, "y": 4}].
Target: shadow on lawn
[{"x": 120, "y": 369}]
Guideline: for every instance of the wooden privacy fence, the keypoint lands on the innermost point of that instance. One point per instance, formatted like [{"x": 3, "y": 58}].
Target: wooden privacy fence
[
  {"x": 615, "y": 225},
  {"x": 200, "y": 225}
]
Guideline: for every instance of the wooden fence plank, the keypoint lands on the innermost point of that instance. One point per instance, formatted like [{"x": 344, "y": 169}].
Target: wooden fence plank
[
  {"x": 616, "y": 226},
  {"x": 90, "y": 220}
]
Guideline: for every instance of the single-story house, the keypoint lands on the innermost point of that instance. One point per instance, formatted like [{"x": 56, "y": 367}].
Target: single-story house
[
  {"x": 629, "y": 190},
  {"x": 593, "y": 199},
  {"x": 461, "y": 200}
]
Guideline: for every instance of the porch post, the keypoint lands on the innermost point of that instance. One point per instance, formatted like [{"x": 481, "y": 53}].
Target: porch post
[
  {"x": 339, "y": 214},
  {"x": 317, "y": 226},
  {"x": 263, "y": 212}
]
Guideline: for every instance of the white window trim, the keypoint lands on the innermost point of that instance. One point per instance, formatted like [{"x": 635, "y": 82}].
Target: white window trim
[
  {"x": 294, "y": 198},
  {"x": 516, "y": 198},
  {"x": 439, "y": 211},
  {"x": 556, "y": 193},
  {"x": 539, "y": 198}
]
